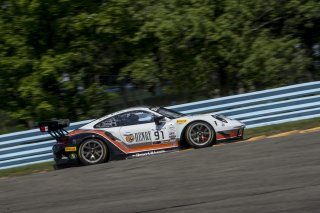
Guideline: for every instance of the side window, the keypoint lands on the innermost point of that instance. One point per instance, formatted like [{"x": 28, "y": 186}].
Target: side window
[
  {"x": 145, "y": 117},
  {"x": 107, "y": 123},
  {"x": 134, "y": 118}
]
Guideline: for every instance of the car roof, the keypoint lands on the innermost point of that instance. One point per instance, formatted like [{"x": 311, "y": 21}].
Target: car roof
[{"x": 132, "y": 109}]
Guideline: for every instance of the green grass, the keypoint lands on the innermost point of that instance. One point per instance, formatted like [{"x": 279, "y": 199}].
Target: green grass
[
  {"x": 25, "y": 170},
  {"x": 285, "y": 127},
  {"x": 267, "y": 130}
]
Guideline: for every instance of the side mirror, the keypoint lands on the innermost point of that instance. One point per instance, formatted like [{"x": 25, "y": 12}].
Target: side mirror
[{"x": 159, "y": 120}]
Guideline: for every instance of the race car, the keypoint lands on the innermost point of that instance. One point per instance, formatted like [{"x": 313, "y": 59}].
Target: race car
[{"x": 136, "y": 132}]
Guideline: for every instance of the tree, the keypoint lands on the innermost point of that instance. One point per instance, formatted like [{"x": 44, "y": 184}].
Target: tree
[{"x": 57, "y": 58}]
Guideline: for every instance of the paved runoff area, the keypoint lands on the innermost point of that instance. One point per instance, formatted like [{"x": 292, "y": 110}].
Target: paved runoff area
[{"x": 275, "y": 174}]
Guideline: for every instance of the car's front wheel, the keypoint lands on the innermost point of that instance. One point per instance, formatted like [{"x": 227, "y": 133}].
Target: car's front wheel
[
  {"x": 92, "y": 151},
  {"x": 200, "y": 134}
]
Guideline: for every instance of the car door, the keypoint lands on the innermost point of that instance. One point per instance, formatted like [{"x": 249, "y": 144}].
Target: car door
[{"x": 140, "y": 130}]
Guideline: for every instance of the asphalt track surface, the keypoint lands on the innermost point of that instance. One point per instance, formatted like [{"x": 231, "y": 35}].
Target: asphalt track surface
[{"x": 269, "y": 175}]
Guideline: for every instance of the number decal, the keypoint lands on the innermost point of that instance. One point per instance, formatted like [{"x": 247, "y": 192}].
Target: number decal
[
  {"x": 159, "y": 136},
  {"x": 162, "y": 134},
  {"x": 156, "y": 134}
]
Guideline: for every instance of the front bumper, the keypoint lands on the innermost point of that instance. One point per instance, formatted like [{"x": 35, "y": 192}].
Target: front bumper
[{"x": 235, "y": 133}]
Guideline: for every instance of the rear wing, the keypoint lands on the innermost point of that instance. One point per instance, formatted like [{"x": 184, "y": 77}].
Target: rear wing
[{"x": 55, "y": 127}]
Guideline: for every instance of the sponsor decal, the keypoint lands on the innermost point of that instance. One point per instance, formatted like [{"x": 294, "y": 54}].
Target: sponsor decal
[
  {"x": 181, "y": 121},
  {"x": 70, "y": 149},
  {"x": 138, "y": 137},
  {"x": 148, "y": 153},
  {"x": 129, "y": 138},
  {"x": 172, "y": 133},
  {"x": 72, "y": 156},
  {"x": 143, "y": 136},
  {"x": 162, "y": 142}
]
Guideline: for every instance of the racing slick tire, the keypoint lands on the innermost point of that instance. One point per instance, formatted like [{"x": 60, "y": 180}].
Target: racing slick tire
[
  {"x": 200, "y": 134},
  {"x": 92, "y": 151}
]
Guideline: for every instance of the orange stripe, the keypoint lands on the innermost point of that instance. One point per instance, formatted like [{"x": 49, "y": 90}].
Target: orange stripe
[
  {"x": 124, "y": 148},
  {"x": 231, "y": 134}
]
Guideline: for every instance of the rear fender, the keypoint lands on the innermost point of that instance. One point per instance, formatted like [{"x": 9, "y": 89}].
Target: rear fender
[{"x": 114, "y": 152}]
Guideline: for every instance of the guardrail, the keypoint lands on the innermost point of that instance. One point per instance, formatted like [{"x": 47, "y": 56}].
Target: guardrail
[{"x": 273, "y": 106}]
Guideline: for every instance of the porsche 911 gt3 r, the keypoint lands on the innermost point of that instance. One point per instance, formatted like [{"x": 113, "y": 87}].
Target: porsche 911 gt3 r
[{"x": 138, "y": 132}]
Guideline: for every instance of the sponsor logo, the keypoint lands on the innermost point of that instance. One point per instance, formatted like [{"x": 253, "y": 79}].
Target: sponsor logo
[
  {"x": 148, "y": 153},
  {"x": 129, "y": 138},
  {"x": 138, "y": 137},
  {"x": 181, "y": 121},
  {"x": 143, "y": 136},
  {"x": 72, "y": 156},
  {"x": 172, "y": 132},
  {"x": 70, "y": 149},
  {"x": 162, "y": 142},
  {"x": 172, "y": 135}
]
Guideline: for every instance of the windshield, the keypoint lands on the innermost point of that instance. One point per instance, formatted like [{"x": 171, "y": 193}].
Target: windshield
[{"x": 167, "y": 112}]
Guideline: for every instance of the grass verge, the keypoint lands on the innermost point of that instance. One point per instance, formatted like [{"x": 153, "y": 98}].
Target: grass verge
[
  {"x": 25, "y": 170},
  {"x": 280, "y": 128},
  {"x": 267, "y": 131}
]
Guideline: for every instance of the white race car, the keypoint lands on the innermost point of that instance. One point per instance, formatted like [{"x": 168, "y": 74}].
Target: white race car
[{"x": 137, "y": 132}]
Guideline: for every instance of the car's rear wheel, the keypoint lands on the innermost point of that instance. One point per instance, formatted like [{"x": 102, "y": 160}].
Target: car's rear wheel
[
  {"x": 200, "y": 134},
  {"x": 92, "y": 151}
]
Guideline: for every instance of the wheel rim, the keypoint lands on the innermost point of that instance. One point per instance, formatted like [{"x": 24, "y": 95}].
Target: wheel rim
[
  {"x": 200, "y": 134},
  {"x": 92, "y": 151}
]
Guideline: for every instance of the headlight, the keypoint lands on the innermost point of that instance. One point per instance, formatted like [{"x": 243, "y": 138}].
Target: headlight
[{"x": 220, "y": 118}]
